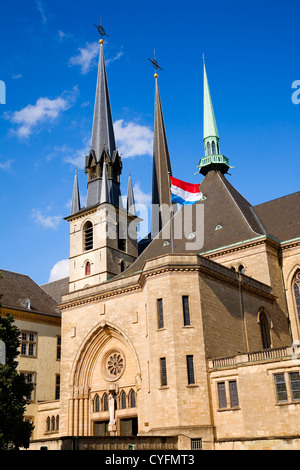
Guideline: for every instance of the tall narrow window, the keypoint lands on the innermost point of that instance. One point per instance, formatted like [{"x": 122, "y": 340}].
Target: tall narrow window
[
  {"x": 297, "y": 293},
  {"x": 160, "y": 313},
  {"x": 163, "y": 371},
  {"x": 233, "y": 391},
  {"x": 58, "y": 348},
  {"x": 208, "y": 148},
  {"x": 57, "y": 387},
  {"x": 123, "y": 400},
  {"x": 190, "y": 369},
  {"x": 87, "y": 268},
  {"x": 132, "y": 402},
  {"x": 97, "y": 403},
  {"x": 88, "y": 236},
  {"x": 222, "y": 395},
  {"x": 186, "y": 310},
  {"x": 105, "y": 402},
  {"x": 264, "y": 330},
  {"x": 295, "y": 385},
  {"x": 213, "y": 148}
]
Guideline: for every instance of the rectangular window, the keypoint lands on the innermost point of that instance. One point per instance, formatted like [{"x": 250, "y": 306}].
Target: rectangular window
[
  {"x": 57, "y": 387},
  {"x": 186, "y": 310},
  {"x": 160, "y": 313},
  {"x": 196, "y": 444},
  {"x": 30, "y": 379},
  {"x": 28, "y": 344},
  {"x": 58, "y": 348},
  {"x": 190, "y": 369},
  {"x": 295, "y": 385},
  {"x": 233, "y": 391},
  {"x": 280, "y": 387},
  {"x": 222, "y": 395},
  {"x": 163, "y": 370}
]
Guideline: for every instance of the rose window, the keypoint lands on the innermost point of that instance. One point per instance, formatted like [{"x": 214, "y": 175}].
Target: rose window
[{"x": 115, "y": 364}]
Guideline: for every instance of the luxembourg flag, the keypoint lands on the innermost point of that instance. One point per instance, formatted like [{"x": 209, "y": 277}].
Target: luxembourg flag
[{"x": 184, "y": 193}]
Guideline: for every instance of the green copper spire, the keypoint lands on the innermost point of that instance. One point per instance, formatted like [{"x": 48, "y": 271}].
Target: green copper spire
[
  {"x": 213, "y": 159},
  {"x": 209, "y": 121}
]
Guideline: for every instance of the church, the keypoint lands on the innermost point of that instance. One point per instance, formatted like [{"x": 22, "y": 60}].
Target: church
[{"x": 189, "y": 338}]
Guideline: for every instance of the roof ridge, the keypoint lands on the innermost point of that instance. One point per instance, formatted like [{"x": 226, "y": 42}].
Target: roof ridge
[{"x": 223, "y": 179}]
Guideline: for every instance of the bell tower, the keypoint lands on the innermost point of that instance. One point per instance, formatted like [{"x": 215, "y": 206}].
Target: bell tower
[{"x": 103, "y": 234}]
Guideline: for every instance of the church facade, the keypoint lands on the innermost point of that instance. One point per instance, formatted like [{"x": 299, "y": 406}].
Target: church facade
[{"x": 190, "y": 338}]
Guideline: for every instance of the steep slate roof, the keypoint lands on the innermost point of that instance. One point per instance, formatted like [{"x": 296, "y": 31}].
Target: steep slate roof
[
  {"x": 228, "y": 219},
  {"x": 57, "y": 289},
  {"x": 281, "y": 216},
  {"x": 16, "y": 288}
]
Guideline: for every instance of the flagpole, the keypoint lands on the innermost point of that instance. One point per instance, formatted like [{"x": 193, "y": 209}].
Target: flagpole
[{"x": 171, "y": 231}]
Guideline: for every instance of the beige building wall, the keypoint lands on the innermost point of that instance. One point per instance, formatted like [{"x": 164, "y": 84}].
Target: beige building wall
[{"x": 44, "y": 365}]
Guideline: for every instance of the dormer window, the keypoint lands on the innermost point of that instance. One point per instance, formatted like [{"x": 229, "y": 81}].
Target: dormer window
[{"x": 27, "y": 304}]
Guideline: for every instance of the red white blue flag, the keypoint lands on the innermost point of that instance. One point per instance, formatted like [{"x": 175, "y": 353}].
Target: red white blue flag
[{"x": 184, "y": 193}]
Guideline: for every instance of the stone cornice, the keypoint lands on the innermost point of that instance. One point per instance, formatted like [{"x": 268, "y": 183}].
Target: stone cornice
[
  {"x": 262, "y": 240},
  {"x": 34, "y": 317},
  {"x": 290, "y": 244},
  {"x": 169, "y": 264}
]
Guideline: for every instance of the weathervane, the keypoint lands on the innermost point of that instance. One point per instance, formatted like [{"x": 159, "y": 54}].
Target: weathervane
[
  {"x": 101, "y": 31},
  {"x": 155, "y": 65}
]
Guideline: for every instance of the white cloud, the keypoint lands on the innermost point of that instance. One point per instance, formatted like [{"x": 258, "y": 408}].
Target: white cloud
[
  {"x": 44, "y": 110},
  {"x": 16, "y": 76},
  {"x": 59, "y": 270},
  {"x": 116, "y": 57},
  {"x": 140, "y": 197},
  {"x": 46, "y": 221},
  {"x": 41, "y": 7},
  {"x": 6, "y": 165},
  {"x": 133, "y": 139},
  {"x": 63, "y": 35},
  {"x": 86, "y": 57}
]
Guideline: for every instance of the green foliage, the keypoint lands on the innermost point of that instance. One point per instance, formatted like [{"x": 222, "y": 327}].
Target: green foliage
[{"x": 14, "y": 431}]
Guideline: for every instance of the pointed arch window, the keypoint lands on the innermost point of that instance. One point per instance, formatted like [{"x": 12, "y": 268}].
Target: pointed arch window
[
  {"x": 296, "y": 288},
  {"x": 213, "y": 148},
  {"x": 87, "y": 269},
  {"x": 105, "y": 402},
  {"x": 208, "y": 148},
  {"x": 88, "y": 236},
  {"x": 132, "y": 400},
  {"x": 123, "y": 400},
  {"x": 97, "y": 403},
  {"x": 264, "y": 330}
]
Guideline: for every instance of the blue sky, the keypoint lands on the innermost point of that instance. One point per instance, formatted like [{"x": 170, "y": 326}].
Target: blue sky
[{"x": 48, "y": 61}]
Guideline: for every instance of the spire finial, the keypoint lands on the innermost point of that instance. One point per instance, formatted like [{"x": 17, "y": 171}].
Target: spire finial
[
  {"x": 101, "y": 31},
  {"x": 155, "y": 65}
]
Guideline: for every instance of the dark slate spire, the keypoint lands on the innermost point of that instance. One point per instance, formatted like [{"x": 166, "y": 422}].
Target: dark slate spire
[
  {"x": 75, "y": 207},
  {"x": 161, "y": 166},
  {"x": 103, "y": 131},
  {"x": 103, "y": 145},
  {"x": 130, "y": 197}
]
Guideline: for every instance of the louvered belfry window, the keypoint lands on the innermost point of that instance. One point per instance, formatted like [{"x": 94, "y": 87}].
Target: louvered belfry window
[{"x": 88, "y": 236}]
